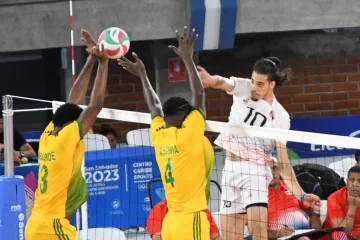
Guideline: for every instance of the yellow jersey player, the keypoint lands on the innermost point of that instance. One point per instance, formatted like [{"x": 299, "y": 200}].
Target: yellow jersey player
[
  {"x": 177, "y": 132},
  {"x": 61, "y": 186}
]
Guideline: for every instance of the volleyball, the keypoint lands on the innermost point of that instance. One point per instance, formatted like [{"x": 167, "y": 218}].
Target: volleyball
[{"x": 116, "y": 42}]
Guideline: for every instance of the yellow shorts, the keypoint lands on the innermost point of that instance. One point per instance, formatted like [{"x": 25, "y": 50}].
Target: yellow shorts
[
  {"x": 193, "y": 226},
  {"x": 49, "y": 229}
]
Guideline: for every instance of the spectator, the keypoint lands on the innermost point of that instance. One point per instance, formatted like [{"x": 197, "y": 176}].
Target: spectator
[
  {"x": 156, "y": 217},
  {"x": 343, "y": 208},
  {"x": 285, "y": 211},
  {"x": 21, "y": 147},
  {"x": 107, "y": 131}
]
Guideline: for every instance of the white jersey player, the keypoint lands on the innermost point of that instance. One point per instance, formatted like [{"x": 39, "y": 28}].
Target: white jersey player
[{"x": 246, "y": 174}]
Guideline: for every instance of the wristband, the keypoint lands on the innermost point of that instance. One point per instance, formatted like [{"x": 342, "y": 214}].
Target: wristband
[
  {"x": 302, "y": 196},
  {"x": 349, "y": 215}
]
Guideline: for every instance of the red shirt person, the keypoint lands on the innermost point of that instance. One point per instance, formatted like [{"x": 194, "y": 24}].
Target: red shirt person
[
  {"x": 285, "y": 211},
  {"x": 156, "y": 217},
  {"x": 343, "y": 208}
]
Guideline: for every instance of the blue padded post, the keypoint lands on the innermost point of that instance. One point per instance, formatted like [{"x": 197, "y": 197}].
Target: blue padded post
[{"x": 12, "y": 208}]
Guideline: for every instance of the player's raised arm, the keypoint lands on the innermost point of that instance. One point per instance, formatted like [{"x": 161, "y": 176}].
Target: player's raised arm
[
  {"x": 185, "y": 51},
  {"x": 78, "y": 91},
  {"x": 89, "y": 115},
  {"x": 137, "y": 68},
  {"x": 215, "y": 81}
]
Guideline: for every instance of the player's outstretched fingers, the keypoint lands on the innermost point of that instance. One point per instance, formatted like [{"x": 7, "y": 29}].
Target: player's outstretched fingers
[
  {"x": 135, "y": 56},
  {"x": 87, "y": 38},
  {"x": 84, "y": 40},
  {"x": 174, "y": 49},
  {"x": 122, "y": 63},
  {"x": 124, "y": 59},
  {"x": 191, "y": 36},
  {"x": 195, "y": 38},
  {"x": 185, "y": 33},
  {"x": 177, "y": 36},
  {"x": 200, "y": 68}
]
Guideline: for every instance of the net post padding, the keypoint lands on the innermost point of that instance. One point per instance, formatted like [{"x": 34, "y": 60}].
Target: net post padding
[{"x": 242, "y": 130}]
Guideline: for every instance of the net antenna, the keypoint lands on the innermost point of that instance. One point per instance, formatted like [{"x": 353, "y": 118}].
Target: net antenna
[{"x": 84, "y": 212}]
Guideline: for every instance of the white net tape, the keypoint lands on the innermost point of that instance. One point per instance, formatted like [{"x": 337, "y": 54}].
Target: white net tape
[{"x": 242, "y": 130}]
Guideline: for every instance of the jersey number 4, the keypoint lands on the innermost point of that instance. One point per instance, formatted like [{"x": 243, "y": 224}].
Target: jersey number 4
[
  {"x": 168, "y": 173},
  {"x": 43, "y": 183}
]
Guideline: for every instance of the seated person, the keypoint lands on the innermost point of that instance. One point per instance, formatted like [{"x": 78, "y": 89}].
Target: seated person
[
  {"x": 156, "y": 217},
  {"x": 107, "y": 131},
  {"x": 21, "y": 147},
  {"x": 343, "y": 208},
  {"x": 285, "y": 211}
]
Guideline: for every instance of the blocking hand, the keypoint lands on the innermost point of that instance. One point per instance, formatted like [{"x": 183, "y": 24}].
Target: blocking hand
[
  {"x": 135, "y": 68},
  {"x": 186, "y": 44}
]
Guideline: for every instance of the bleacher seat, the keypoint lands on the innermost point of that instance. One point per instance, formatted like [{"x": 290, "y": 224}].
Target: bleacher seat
[
  {"x": 95, "y": 142},
  {"x": 139, "y": 137},
  {"x": 103, "y": 234}
]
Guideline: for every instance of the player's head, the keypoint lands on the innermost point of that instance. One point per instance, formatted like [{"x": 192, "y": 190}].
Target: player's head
[
  {"x": 275, "y": 173},
  {"x": 357, "y": 156},
  {"x": 266, "y": 76},
  {"x": 107, "y": 131},
  {"x": 176, "y": 110},
  {"x": 66, "y": 114},
  {"x": 353, "y": 181},
  {"x": 1, "y": 120}
]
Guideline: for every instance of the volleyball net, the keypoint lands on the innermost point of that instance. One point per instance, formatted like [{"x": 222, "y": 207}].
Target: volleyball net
[{"x": 124, "y": 181}]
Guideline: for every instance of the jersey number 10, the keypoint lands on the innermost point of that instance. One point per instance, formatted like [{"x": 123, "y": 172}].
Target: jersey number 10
[
  {"x": 168, "y": 173},
  {"x": 253, "y": 118}
]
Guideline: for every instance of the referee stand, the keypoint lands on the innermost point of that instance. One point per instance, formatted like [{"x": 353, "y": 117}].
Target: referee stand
[{"x": 12, "y": 188}]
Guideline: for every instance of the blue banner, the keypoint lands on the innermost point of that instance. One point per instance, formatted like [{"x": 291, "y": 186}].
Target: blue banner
[
  {"x": 343, "y": 126},
  {"x": 215, "y": 23},
  {"x": 32, "y": 135}
]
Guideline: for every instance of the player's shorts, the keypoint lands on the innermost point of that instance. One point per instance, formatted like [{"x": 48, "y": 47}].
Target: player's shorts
[
  {"x": 193, "y": 226},
  {"x": 49, "y": 229},
  {"x": 244, "y": 184}
]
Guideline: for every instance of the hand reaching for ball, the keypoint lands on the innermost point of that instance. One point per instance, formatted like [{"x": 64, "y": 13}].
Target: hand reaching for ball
[
  {"x": 97, "y": 51},
  {"x": 87, "y": 39},
  {"x": 136, "y": 68}
]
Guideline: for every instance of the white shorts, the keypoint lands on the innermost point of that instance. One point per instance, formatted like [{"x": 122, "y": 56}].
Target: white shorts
[{"x": 244, "y": 184}]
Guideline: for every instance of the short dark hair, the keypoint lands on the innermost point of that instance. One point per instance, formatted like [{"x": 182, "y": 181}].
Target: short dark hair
[
  {"x": 357, "y": 156},
  {"x": 106, "y": 129},
  {"x": 66, "y": 113},
  {"x": 175, "y": 105},
  {"x": 269, "y": 66},
  {"x": 354, "y": 169}
]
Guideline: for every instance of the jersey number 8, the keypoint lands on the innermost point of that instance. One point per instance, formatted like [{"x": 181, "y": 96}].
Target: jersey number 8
[
  {"x": 168, "y": 173},
  {"x": 44, "y": 174}
]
